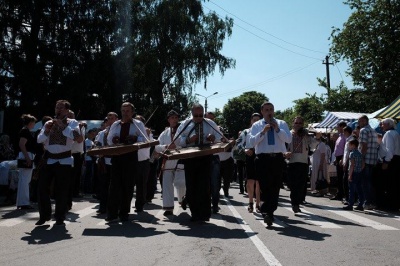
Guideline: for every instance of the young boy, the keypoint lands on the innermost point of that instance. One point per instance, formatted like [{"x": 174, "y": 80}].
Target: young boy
[{"x": 355, "y": 168}]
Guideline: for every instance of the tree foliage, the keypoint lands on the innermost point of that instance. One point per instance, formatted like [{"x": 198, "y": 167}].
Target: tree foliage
[
  {"x": 238, "y": 111},
  {"x": 98, "y": 53},
  {"x": 370, "y": 43}
]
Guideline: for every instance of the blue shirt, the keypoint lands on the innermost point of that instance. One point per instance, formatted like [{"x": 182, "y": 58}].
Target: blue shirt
[{"x": 356, "y": 158}]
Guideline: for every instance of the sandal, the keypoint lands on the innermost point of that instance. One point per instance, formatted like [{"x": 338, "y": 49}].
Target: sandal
[{"x": 250, "y": 207}]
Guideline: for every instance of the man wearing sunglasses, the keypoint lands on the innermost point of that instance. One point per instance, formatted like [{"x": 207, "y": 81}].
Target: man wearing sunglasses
[{"x": 197, "y": 131}]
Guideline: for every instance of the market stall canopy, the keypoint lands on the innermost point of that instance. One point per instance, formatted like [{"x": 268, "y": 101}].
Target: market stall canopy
[
  {"x": 333, "y": 118},
  {"x": 392, "y": 111}
]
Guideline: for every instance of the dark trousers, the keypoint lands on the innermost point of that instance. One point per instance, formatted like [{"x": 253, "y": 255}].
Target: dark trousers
[
  {"x": 270, "y": 171},
  {"x": 197, "y": 177},
  {"x": 393, "y": 182},
  {"x": 241, "y": 166},
  {"x": 61, "y": 175},
  {"x": 226, "y": 173},
  {"x": 76, "y": 173},
  {"x": 340, "y": 176},
  {"x": 152, "y": 181},
  {"x": 355, "y": 187},
  {"x": 215, "y": 180},
  {"x": 104, "y": 183},
  {"x": 297, "y": 178},
  {"x": 141, "y": 177},
  {"x": 123, "y": 172}
]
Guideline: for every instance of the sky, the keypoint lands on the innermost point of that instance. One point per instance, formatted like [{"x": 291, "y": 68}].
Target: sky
[{"x": 279, "y": 48}]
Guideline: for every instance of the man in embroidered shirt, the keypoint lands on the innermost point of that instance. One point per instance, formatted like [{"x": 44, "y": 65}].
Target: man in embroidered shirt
[
  {"x": 58, "y": 136},
  {"x": 123, "y": 168},
  {"x": 268, "y": 136},
  {"x": 192, "y": 132}
]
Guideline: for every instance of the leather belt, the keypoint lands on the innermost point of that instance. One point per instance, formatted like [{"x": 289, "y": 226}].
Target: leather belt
[
  {"x": 61, "y": 155},
  {"x": 270, "y": 154}
]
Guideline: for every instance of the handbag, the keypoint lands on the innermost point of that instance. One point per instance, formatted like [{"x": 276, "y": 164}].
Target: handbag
[
  {"x": 21, "y": 163},
  {"x": 321, "y": 182}
]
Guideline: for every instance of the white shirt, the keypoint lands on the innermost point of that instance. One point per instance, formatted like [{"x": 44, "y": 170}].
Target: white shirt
[
  {"x": 78, "y": 147},
  {"x": 100, "y": 139},
  {"x": 165, "y": 140},
  {"x": 89, "y": 144},
  {"x": 390, "y": 145},
  {"x": 136, "y": 129},
  {"x": 260, "y": 141},
  {"x": 209, "y": 127}
]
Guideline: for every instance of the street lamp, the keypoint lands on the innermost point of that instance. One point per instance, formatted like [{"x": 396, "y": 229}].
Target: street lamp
[{"x": 205, "y": 104}]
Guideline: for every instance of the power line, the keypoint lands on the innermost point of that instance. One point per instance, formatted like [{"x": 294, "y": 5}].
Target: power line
[
  {"x": 250, "y": 87},
  {"x": 257, "y": 28}
]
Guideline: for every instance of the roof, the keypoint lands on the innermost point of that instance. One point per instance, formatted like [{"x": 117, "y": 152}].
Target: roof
[
  {"x": 392, "y": 111},
  {"x": 333, "y": 118}
]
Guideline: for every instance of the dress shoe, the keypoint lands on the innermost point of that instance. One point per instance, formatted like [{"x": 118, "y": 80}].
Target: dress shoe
[
  {"x": 111, "y": 218},
  {"x": 184, "y": 203},
  {"x": 296, "y": 208},
  {"x": 348, "y": 208},
  {"x": 269, "y": 219},
  {"x": 25, "y": 207},
  {"x": 60, "y": 222},
  {"x": 168, "y": 212},
  {"x": 42, "y": 221},
  {"x": 359, "y": 208},
  {"x": 304, "y": 202},
  {"x": 124, "y": 218},
  {"x": 215, "y": 209},
  {"x": 101, "y": 211}
]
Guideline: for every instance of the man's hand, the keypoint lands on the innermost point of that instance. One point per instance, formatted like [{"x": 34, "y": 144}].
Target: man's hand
[
  {"x": 287, "y": 155},
  {"x": 115, "y": 139},
  {"x": 266, "y": 128},
  {"x": 210, "y": 137}
]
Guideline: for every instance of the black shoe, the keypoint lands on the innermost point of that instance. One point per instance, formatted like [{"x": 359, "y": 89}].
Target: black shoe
[
  {"x": 215, "y": 209},
  {"x": 101, "y": 211},
  {"x": 304, "y": 202},
  {"x": 111, "y": 218},
  {"x": 335, "y": 198},
  {"x": 139, "y": 210},
  {"x": 268, "y": 219},
  {"x": 60, "y": 222},
  {"x": 359, "y": 208},
  {"x": 194, "y": 219},
  {"x": 124, "y": 218},
  {"x": 25, "y": 207},
  {"x": 250, "y": 207},
  {"x": 348, "y": 208},
  {"x": 168, "y": 212},
  {"x": 296, "y": 208},
  {"x": 41, "y": 221},
  {"x": 184, "y": 203}
]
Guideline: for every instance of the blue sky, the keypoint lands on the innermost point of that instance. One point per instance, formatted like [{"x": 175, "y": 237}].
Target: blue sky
[{"x": 279, "y": 47}]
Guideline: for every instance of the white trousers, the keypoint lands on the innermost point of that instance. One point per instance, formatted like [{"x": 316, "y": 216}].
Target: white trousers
[
  {"x": 24, "y": 178},
  {"x": 173, "y": 178}
]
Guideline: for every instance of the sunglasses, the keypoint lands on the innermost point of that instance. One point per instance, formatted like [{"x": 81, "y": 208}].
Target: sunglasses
[{"x": 198, "y": 115}]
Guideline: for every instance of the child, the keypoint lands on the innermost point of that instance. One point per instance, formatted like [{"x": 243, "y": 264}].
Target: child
[{"x": 355, "y": 168}]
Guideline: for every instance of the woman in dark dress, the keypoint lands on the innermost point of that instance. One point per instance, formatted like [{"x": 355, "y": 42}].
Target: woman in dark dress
[{"x": 27, "y": 144}]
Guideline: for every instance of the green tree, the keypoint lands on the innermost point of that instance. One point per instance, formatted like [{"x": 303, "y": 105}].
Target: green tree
[
  {"x": 310, "y": 108},
  {"x": 370, "y": 43},
  {"x": 237, "y": 112}
]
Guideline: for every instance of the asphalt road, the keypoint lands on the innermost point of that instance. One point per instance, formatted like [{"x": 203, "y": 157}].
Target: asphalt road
[{"x": 322, "y": 234}]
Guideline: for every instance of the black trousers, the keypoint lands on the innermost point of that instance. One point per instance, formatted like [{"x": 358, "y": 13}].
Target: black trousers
[
  {"x": 297, "y": 181},
  {"x": 226, "y": 172},
  {"x": 123, "y": 172},
  {"x": 241, "y": 166},
  {"x": 270, "y": 171},
  {"x": 340, "y": 177},
  {"x": 104, "y": 183},
  {"x": 197, "y": 177},
  {"x": 61, "y": 175},
  {"x": 141, "y": 177},
  {"x": 76, "y": 173}
]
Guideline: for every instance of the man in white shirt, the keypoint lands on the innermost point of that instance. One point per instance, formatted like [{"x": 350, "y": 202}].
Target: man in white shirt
[{"x": 268, "y": 136}]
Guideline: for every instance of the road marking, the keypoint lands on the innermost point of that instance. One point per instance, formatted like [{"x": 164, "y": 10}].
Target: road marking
[
  {"x": 312, "y": 218},
  {"x": 17, "y": 220},
  {"x": 264, "y": 251},
  {"x": 359, "y": 219}
]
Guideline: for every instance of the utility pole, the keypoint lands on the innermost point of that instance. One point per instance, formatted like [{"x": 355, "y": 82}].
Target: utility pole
[{"x": 328, "y": 79}]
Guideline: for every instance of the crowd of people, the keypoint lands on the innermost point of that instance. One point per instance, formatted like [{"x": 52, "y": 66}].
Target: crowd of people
[{"x": 53, "y": 164}]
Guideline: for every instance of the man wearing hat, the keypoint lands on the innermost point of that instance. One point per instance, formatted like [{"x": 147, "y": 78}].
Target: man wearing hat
[{"x": 173, "y": 171}]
